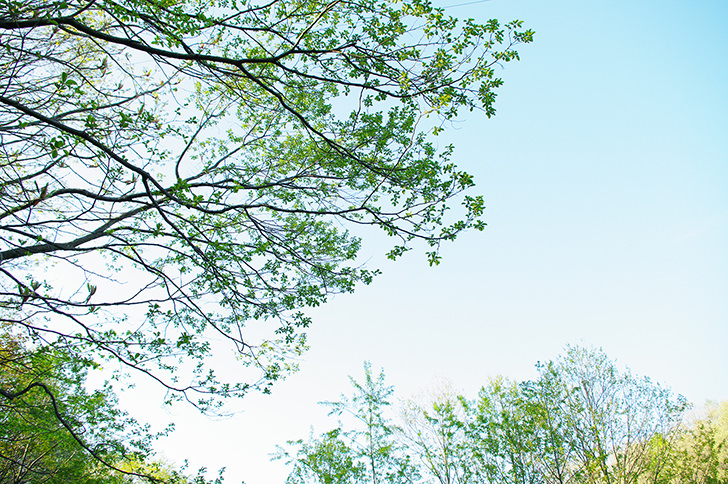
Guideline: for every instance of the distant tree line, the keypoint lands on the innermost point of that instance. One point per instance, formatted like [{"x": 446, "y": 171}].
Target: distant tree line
[{"x": 582, "y": 420}]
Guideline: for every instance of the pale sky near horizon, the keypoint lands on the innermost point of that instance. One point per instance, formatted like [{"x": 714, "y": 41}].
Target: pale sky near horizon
[{"x": 605, "y": 175}]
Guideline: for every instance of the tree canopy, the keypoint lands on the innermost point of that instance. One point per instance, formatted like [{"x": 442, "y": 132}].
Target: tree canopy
[
  {"x": 582, "y": 420},
  {"x": 173, "y": 172}
]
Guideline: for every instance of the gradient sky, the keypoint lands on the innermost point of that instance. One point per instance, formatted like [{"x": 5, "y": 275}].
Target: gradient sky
[{"x": 605, "y": 175}]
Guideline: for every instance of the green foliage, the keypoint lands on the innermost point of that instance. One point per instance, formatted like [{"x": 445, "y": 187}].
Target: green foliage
[
  {"x": 53, "y": 430},
  {"x": 328, "y": 460},
  {"x": 202, "y": 171},
  {"x": 503, "y": 433},
  {"x": 435, "y": 430},
  {"x": 368, "y": 451},
  {"x": 48, "y": 417},
  {"x": 583, "y": 420},
  {"x": 699, "y": 453}
]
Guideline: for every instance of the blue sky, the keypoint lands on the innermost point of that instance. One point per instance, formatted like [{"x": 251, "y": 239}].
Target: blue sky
[{"x": 605, "y": 175}]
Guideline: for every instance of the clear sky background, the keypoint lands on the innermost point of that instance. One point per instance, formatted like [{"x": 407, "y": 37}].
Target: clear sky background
[{"x": 605, "y": 175}]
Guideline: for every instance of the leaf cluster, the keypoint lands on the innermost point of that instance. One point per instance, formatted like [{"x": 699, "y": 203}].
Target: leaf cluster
[{"x": 55, "y": 431}]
